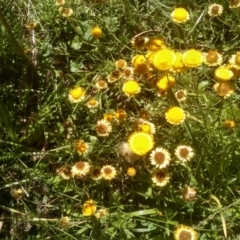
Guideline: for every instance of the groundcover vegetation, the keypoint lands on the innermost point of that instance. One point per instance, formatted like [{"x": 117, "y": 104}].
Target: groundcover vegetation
[{"x": 119, "y": 119}]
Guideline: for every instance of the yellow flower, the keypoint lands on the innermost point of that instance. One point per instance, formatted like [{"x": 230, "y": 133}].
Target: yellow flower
[
  {"x": 178, "y": 66},
  {"x": 108, "y": 117},
  {"x": 131, "y": 87},
  {"x": 89, "y": 208},
  {"x": 234, "y": 3},
  {"x": 229, "y": 124},
  {"x": 101, "y": 84},
  {"x": 64, "y": 222},
  {"x": 223, "y": 73},
  {"x": 120, "y": 64},
  {"x": 164, "y": 59},
  {"x": 108, "y": 172},
  {"x": 141, "y": 143},
  {"x": 120, "y": 115},
  {"x": 180, "y": 15},
  {"x": 81, "y": 146},
  {"x": 185, "y": 233},
  {"x": 160, "y": 157},
  {"x": 189, "y": 194},
  {"x": 140, "y": 64},
  {"x": 60, "y": 2},
  {"x": 76, "y": 95},
  {"x": 224, "y": 89},
  {"x": 31, "y": 25},
  {"x": 80, "y": 169},
  {"x": 103, "y": 128},
  {"x": 160, "y": 178},
  {"x": 192, "y": 58},
  {"x": 213, "y": 58},
  {"x": 184, "y": 153},
  {"x": 155, "y": 44},
  {"x": 215, "y": 10},
  {"x": 65, "y": 12},
  {"x": 175, "y": 115},
  {"x": 181, "y": 95},
  {"x": 131, "y": 172},
  {"x": 146, "y": 126},
  {"x": 165, "y": 83},
  {"x": 96, "y": 32},
  {"x": 92, "y": 103},
  {"x": 101, "y": 213}
]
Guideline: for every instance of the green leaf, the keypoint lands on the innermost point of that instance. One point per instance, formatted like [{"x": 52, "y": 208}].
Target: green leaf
[{"x": 76, "y": 43}]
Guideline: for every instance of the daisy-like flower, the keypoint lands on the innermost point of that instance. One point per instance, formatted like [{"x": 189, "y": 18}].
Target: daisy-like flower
[
  {"x": 125, "y": 151},
  {"x": 101, "y": 213},
  {"x": 128, "y": 73},
  {"x": 189, "y": 194},
  {"x": 215, "y": 10},
  {"x": 139, "y": 42},
  {"x": 175, "y": 115},
  {"x": 80, "y": 169},
  {"x": 96, "y": 173},
  {"x": 223, "y": 73},
  {"x": 96, "y": 32},
  {"x": 160, "y": 178},
  {"x": 64, "y": 222},
  {"x": 155, "y": 44},
  {"x": 164, "y": 59},
  {"x": 77, "y": 94},
  {"x": 81, "y": 146},
  {"x": 64, "y": 172},
  {"x": 212, "y": 58},
  {"x": 59, "y": 2},
  {"x": 192, "y": 58},
  {"x": 108, "y": 172},
  {"x": 131, "y": 88},
  {"x": 140, "y": 143},
  {"x": 120, "y": 64},
  {"x": 235, "y": 60},
  {"x": 224, "y": 89},
  {"x": 120, "y": 115},
  {"x": 140, "y": 64},
  {"x": 185, "y": 233},
  {"x": 181, "y": 95},
  {"x": 65, "y": 12},
  {"x": 146, "y": 126},
  {"x": 89, "y": 208},
  {"x": 165, "y": 83},
  {"x": 114, "y": 76},
  {"x": 131, "y": 171},
  {"x": 234, "y": 3},
  {"x": 101, "y": 84},
  {"x": 184, "y": 153},
  {"x": 178, "y": 65},
  {"x": 180, "y": 15},
  {"x": 92, "y": 103},
  {"x": 103, "y": 128},
  {"x": 160, "y": 157},
  {"x": 229, "y": 124},
  {"x": 17, "y": 193},
  {"x": 109, "y": 117}
]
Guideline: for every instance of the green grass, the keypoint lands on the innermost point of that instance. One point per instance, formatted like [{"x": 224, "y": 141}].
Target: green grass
[{"x": 38, "y": 123}]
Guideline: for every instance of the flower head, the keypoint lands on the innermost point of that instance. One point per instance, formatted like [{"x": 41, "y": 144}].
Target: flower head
[
  {"x": 96, "y": 32},
  {"x": 180, "y": 15},
  {"x": 80, "y": 169},
  {"x": 146, "y": 126},
  {"x": 131, "y": 171},
  {"x": 125, "y": 151},
  {"x": 235, "y": 60},
  {"x": 213, "y": 58},
  {"x": 223, "y": 73},
  {"x": 120, "y": 64},
  {"x": 192, "y": 58},
  {"x": 114, "y": 76},
  {"x": 178, "y": 65},
  {"x": 160, "y": 157},
  {"x": 144, "y": 114},
  {"x": 155, "y": 44},
  {"x": 60, "y": 2},
  {"x": 120, "y": 115},
  {"x": 175, "y": 115},
  {"x": 229, "y": 124},
  {"x": 65, "y": 172},
  {"x": 92, "y": 103},
  {"x": 89, "y": 208},
  {"x": 103, "y": 128},
  {"x": 108, "y": 172},
  {"x": 215, "y": 10},
  {"x": 65, "y": 12},
  {"x": 139, "y": 42},
  {"x": 96, "y": 173},
  {"x": 234, "y": 3},
  {"x": 109, "y": 117},
  {"x": 101, "y": 213},
  {"x": 184, "y": 153},
  {"x": 64, "y": 222},
  {"x": 163, "y": 59},
  {"x": 101, "y": 84},
  {"x": 128, "y": 73},
  {"x": 224, "y": 89},
  {"x": 81, "y": 146},
  {"x": 165, "y": 83},
  {"x": 131, "y": 88},
  {"x": 185, "y": 233},
  {"x": 189, "y": 194},
  {"x": 160, "y": 178},
  {"x": 140, "y": 64},
  {"x": 76, "y": 95},
  {"x": 31, "y": 25},
  {"x": 181, "y": 95},
  {"x": 140, "y": 142}
]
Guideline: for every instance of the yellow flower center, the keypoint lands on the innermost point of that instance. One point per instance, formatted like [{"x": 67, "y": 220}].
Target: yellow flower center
[
  {"x": 131, "y": 87},
  {"x": 175, "y": 115},
  {"x": 77, "y": 93},
  {"x": 180, "y": 15}
]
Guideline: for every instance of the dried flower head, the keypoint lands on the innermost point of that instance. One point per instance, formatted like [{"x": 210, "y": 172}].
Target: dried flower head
[
  {"x": 65, "y": 12},
  {"x": 215, "y": 10},
  {"x": 96, "y": 173},
  {"x": 65, "y": 172},
  {"x": 234, "y": 3},
  {"x": 213, "y": 58},
  {"x": 139, "y": 42},
  {"x": 114, "y": 76},
  {"x": 160, "y": 177},
  {"x": 59, "y": 2},
  {"x": 125, "y": 151},
  {"x": 189, "y": 194},
  {"x": 64, "y": 222},
  {"x": 121, "y": 64},
  {"x": 101, "y": 213},
  {"x": 235, "y": 60},
  {"x": 103, "y": 128},
  {"x": 120, "y": 115},
  {"x": 224, "y": 89},
  {"x": 184, "y": 153}
]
